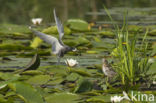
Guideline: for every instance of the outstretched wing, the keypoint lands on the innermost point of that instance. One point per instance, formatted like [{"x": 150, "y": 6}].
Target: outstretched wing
[
  {"x": 56, "y": 46},
  {"x": 59, "y": 28}
]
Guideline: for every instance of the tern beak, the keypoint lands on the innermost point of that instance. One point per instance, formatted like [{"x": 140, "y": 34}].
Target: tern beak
[{"x": 74, "y": 50}]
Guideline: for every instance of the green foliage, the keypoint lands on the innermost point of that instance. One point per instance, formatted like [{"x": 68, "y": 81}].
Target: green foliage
[
  {"x": 78, "y": 25},
  {"x": 133, "y": 65},
  {"x": 26, "y": 92},
  {"x": 13, "y": 47},
  {"x": 99, "y": 99},
  {"x": 36, "y": 42},
  {"x": 62, "y": 98},
  {"x": 83, "y": 85},
  {"x": 152, "y": 33},
  {"x": 53, "y": 30},
  {"x": 39, "y": 79}
]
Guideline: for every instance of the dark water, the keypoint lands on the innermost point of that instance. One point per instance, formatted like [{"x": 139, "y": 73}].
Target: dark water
[{"x": 66, "y": 9}]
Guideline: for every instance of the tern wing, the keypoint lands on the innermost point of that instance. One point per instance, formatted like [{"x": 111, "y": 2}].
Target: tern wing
[
  {"x": 56, "y": 46},
  {"x": 60, "y": 28}
]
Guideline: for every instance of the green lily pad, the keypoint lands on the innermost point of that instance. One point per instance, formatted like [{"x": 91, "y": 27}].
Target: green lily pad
[
  {"x": 53, "y": 30},
  {"x": 78, "y": 25},
  {"x": 83, "y": 85},
  {"x": 92, "y": 52},
  {"x": 13, "y": 28},
  {"x": 31, "y": 72},
  {"x": 36, "y": 42},
  {"x": 9, "y": 76},
  {"x": 39, "y": 79},
  {"x": 72, "y": 77},
  {"x": 14, "y": 47},
  {"x": 152, "y": 33},
  {"x": 81, "y": 72},
  {"x": 135, "y": 28},
  {"x": 107, "y": 34},
  {"x": 26, "y": 92},
  {"x": 56, "y": 80},
  {"x": 62, "y": 98},
  {"x": 79, "y": 41},
  {"x": 100, "y": 99}
]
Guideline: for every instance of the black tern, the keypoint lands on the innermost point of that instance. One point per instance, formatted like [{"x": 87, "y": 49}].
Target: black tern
[{"x": 58, "y": 47}]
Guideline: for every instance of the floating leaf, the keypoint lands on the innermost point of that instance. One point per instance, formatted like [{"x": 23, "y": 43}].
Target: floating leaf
[
  {"x": 78, "y": 25},
  {"x": 56, "y": 81},
  {"x": 152, "y": 33},
  {"x": 36, "y": 42},
  {"x": 99, "y": 99},
  {"x": 13, "y": 47},
  {"x": 26, "y": 92},
  {"x": 32, "y": 72},
  {"x": 39, "y": 79},
  {"x": 92, "y": 52},
  {"x": 72, "y": 77},
  {"x": 62, "y": 98},
  {"x": 53, "y": 30},
  {"x": 8, "y": 77},
  {"x": 81, "y": 72},
  {"x": 83, "y": 85}
]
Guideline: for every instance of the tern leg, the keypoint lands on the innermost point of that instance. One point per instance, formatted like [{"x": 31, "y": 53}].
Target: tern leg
[{"x": 58, "y": 58}]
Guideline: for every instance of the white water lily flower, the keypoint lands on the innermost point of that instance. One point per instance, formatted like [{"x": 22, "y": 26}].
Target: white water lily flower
[
  {"x": 71, "y": 62},
  {"x": 36, "y": 21},
  {"x": 116, "y": 99}
]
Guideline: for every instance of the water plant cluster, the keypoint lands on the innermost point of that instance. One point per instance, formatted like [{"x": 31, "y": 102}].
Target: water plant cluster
[{"x": 28, "y": 73}]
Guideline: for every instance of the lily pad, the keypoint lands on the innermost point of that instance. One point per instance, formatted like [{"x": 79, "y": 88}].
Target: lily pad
[
  {"x": 14, "y": 47},
  {"x": 53, "y": 30},
  {"x": 62, "y": 98},
  {"x": 39, "y": 79},
  {"x": 83, "y": 85},
  {"x": 78, "y": 25},
  {"x": 36, "y": 42},
  {"x": 72, "y": 77},
  {"x": 26, "y": 92},
  {"x": 31, "y": 72},
  {"x": 100, "y": 99},
  {"x": 152, "y": 33},
  {"x": 92, "y": 52}
]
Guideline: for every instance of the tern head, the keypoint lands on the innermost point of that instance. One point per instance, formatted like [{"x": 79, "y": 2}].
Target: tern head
[
  {"x": 67, "y": 48},
  {"x": 104, "y": 61},
  {"x": 74, "y": 49}
]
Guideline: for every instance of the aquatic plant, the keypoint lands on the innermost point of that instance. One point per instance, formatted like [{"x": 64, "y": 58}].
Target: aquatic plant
[{"x": 132, "y": 61}]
